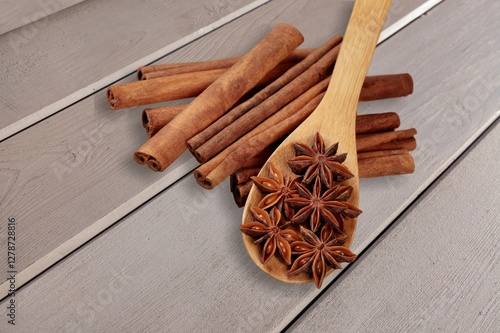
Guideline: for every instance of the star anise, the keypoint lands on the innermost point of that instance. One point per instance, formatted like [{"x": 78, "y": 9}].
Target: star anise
[
  {"x": 319, "y": 162},
  {"x": 270, "y": 229},
  {"x": 279, "y": 189},
  {"x": 329, "y": 207},
  {"x": 319, "y": 253}
]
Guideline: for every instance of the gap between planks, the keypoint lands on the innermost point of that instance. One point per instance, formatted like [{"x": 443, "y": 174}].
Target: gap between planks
[
  {"x": 70, "y": 245},
  {"x": 24, "y": 12}
]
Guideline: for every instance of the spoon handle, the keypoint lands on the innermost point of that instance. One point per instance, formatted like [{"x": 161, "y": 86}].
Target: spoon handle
[
  {"x": 359, "y": 44},
  {"x": 354, "y": 59},
  {"x": 335, "y": 116},
  {"x": 357, "y": 49}
]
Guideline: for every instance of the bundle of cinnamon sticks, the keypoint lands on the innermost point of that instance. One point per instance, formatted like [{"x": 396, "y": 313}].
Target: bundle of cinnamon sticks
[{"x": 244, "y": 106}]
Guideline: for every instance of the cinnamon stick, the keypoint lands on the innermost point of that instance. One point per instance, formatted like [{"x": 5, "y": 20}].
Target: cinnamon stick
[
  {"x": 377, "y": 122},
  {"x": 154, "y": 119},
  {"x": 377, "y": 87},
  {"x": 174, "y": 87},
  {"x": 258, "y": 161},
  {"x": 314, "y": 74},
  {"x": 395, "y": 147},
  {"x": 274, "y": 87},
  {"x": 155, "y": 71},
  {"x": 228, "y": 128},
  {"x": 240, "y": 193},
  {"x": 407, "y": 144},
  {"x": 380, "y": 153},
  {"x": 368, "y": 142},
  {"x": 170, "y": 142},
  {"x": 213, "y": 172},
  {"x": 162, "y": 89},
  {"x": 231, "y": 159},
  {"x": 382, "y": 163},
  {"x": 386, "y": 165},
  {"x": 242, "y": 176}
]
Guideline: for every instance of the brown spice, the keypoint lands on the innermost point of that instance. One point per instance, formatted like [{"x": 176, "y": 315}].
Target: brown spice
[
  {"x": 329, "y": 206},
  {"x": 278, "y": 190},
  {"x": 318, "y": 253},
  {"x": 269, "y": 229},
  {"x": 222, "y": 123},
  {"x": 170, "y": 142},
  {"x": 155, "y": 71},
  {"x": 323, "y": 206},
  {"x": 318, "y": 162}
]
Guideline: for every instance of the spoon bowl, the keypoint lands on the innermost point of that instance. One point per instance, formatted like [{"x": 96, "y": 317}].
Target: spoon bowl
[{"x": 334, "y": 119}]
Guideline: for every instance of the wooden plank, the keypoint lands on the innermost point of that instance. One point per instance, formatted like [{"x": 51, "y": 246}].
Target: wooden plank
[
  {"x": 440, "y": 261},
  {"x": 17, "y": 13},
  {"x": 181, "y": 253},
  {"x": 69, "y": 164},
  {"x": 93, "y": 44}
]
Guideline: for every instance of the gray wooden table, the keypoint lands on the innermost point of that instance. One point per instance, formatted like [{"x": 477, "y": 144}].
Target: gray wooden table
[{"x": 105, "y": 245}]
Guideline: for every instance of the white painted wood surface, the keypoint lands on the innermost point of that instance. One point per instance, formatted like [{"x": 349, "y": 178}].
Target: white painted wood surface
[
  {"x": 78, "y": 163},
  {"x": 437, "y": 269},
  {"x": 97, "y": 42},
  {"x": 18, "y": 13},
  {"x": 177, "y": 263}
]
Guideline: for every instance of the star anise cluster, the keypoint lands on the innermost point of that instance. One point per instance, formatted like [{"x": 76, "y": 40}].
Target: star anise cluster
[{"x": 315, "y": 201}]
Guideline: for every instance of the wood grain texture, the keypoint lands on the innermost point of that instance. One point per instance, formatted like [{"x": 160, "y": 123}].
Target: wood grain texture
[
  {"x": 72, "y": 175},
  {"x": 93, "y": 44},
  {"x": 18, "y": 13},
  {"x": 181, "y": 254},
  {"x": 436, "y": 270}
]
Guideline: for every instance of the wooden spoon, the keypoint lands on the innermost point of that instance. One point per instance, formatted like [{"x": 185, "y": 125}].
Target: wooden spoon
[{"x": 334, "y": 119}]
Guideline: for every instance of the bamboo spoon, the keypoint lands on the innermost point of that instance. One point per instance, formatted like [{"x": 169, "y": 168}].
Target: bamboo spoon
[{"x": 334, "y": 119}]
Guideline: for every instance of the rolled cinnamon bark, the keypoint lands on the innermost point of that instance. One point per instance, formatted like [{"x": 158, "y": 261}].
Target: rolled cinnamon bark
[
  {"x": 215, "y": 138},
  {"x": 377, "y": 122},
  {"x": 245, "y": 174},
  {"x": 155, "y": 119},
  {"x": 240, "y": 193},
  {"x": 398, "y": 85},
  {"x": 226, "y": 120},
  {"x": 386, "y": 165},
  {"x": 380, "y": 153},
  {"x": 155, "y": 71},
  {"x": 407, "y": 144},
  {"x": 314, "y": 74},
  {"x": 174, "y": 87},
  {"x": 170, "y": 142},
  {"x": 162, "y": 89},
  {"x": 242, "y": 176},
  {"x": 369, "y": 142},
  {"x": 214, "y": 171}
]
